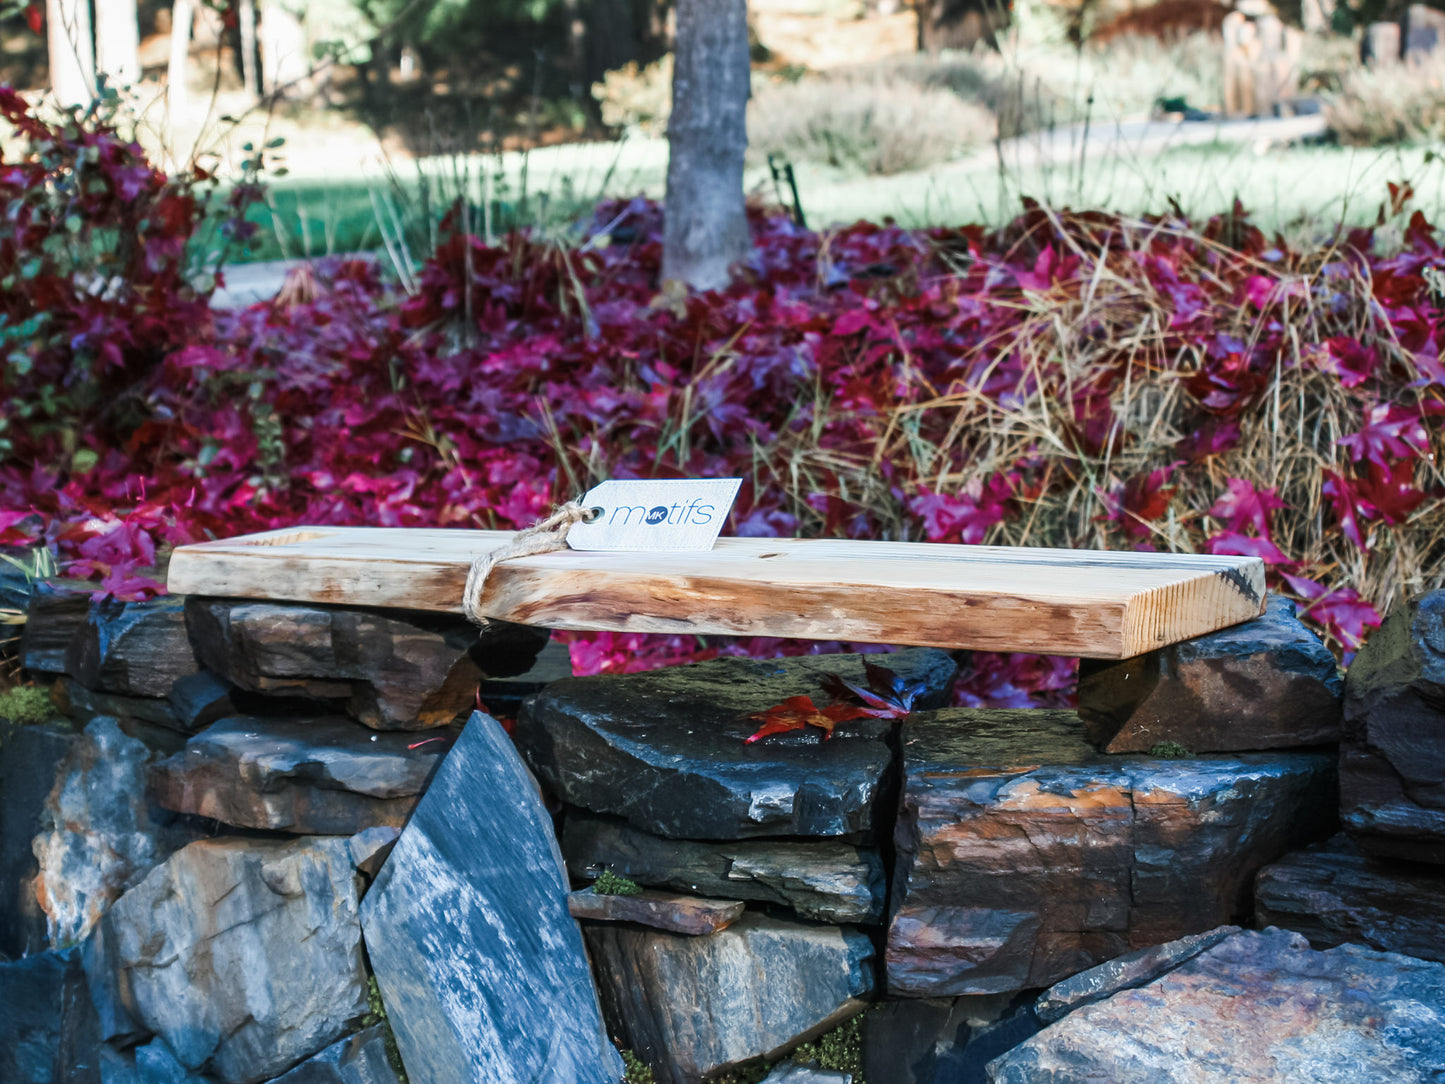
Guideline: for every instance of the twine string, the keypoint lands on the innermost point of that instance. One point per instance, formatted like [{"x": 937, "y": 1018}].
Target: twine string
[{"x": 547, "y": 535}]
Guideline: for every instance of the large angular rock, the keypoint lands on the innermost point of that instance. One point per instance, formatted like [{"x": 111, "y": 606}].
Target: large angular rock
[
  {"x": 481, "y": 968},
  {"x": 48, "y": 1029},
  {"x": 326, "y": 776},
  {"x": 55, "y": 614},
  {"x": 396, "y": 670},
  {"x": 357, "y": 1059},
  {"x": 1266, "y": 684},
  {"x": 1024, "y": 856},
  {"x": 244, "y": 955},
  {"x": 1333, "y": 893},
  {"x": 825, "y": 880},
  {"x": 690, "y": 1006},
  {"x": 30, "y": 760},
  {"x": 667, "y": 749},
  {"x": 1392, "y": 758},
  {"x": 200, "y": 699},
  {"x": 134, "y": 648},
  {"x": 1256, "y": 1007},
  {"x": 99, "y": 834}
]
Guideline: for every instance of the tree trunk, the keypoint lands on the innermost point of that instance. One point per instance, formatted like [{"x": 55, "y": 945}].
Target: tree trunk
[
  {"x": 117, "y": 41},
  {"x": 285, "y": 64},
  {"x": 177, "y": 95},
  {"x": 706, "y": 226},
  {"x": 250, "y": 55},
  {"x": 72, "y": 54},
  {"x": 957, "y": 24}
]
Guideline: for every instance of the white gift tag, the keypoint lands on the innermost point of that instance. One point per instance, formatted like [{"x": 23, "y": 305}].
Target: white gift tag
[{"x": 667, "y": 514}]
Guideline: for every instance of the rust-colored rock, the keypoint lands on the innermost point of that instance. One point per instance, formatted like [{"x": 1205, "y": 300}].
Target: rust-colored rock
[
  {"x": 1258, "y": 1006},
  {"x": 1266, "y": 684},
  {"x": 691, "y": 915},
  {"x": 1025, "y": 856},
  {"x": 1392, "y": 756}
]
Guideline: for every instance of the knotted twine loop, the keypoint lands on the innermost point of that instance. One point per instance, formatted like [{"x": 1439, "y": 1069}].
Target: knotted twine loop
[{"x": 545, "y": 536}]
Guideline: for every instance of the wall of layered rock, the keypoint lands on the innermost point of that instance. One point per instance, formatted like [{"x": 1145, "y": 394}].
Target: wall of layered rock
[{"x": 269, "y": 841}]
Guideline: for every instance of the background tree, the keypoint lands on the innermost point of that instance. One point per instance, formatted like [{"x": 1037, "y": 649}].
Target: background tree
[
  {"x": 117, "y": 41},
  {"x": 72, "y": 55},
  {"x": 706, "y": 227}
]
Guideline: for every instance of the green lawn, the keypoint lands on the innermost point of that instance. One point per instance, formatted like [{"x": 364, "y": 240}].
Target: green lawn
[{"x": 1296, "y": 188}]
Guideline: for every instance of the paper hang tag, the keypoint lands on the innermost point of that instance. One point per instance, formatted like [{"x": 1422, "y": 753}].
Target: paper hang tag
[{"x": 671, "y": 514}]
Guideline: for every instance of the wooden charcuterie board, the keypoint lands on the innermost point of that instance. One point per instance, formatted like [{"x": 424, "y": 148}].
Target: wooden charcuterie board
[{"x": 1097, "y": 604}]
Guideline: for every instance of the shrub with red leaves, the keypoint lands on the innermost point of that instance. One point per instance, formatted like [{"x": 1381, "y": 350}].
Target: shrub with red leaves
[
  {"x": 1070, "y": 380},
  {"x": 94, "y": 292}
]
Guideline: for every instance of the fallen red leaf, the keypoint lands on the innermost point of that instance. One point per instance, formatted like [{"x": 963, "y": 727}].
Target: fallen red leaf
[{"x": 798, "y": 712}]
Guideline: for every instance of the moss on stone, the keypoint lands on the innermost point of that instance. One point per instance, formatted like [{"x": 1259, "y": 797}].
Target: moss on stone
[
  {"x": 1169, "y": 750},
  {"x": 27, "y": 705},
  {"x": 610, "y": 884}
]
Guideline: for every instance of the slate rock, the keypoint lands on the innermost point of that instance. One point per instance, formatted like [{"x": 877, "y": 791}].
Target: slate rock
[
  {"x": 480, "y": 966},
  {"x": 1124, "y": 972},
  {"x": 693, "y": 1006},
  {"x": 48, "y": 1030},
  {"x": 1332, "y": 893},
  {"x": 134, "y": 648},
  {"x": 396, "y": 670},
  {"x": 152, "y": 1063},
  {"x": 357, "y": 1059},
  {"x": 503, "y": 695},
  {"x": 327, "y": 776},
  {"x": 30, "y": 760},
  {"x": 370, "y": 848},
  {"x": 244, "y": 955},
  {"x": 1025, "y": 856},
  {"x": 1265, "y": 684},
  {"x": 826, "y": 880},
  {"x": 677, "y": 914},
  {"x": 790, "y": 1072},
  {"x": 667, "y": 749},
  {"x": 99, "y": 834},
  {"x": 1258, "y": 1006},
  {"x": 1392, "y": 757},
  {"x": 55, "y": 614},
  {"x": 200, "y": 699},
  {"x": 921, "y": 1040},
  {"x": 83, "y": 705}
]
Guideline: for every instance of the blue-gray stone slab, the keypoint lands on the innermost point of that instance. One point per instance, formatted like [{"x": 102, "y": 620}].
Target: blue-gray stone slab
[
  {"x": 48, "y": 1029},
  {"x": 480, "y": 966}
]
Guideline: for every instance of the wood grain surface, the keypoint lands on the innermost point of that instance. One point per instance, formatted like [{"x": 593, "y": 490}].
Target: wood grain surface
[{"x": 1094, "y": 603}]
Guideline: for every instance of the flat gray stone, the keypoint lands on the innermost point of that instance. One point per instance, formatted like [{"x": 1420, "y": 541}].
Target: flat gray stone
[
  {"x": 667, "y": 749},
  {"x": 1257, "y": 1007},
  {"x": 55, "y": 613},
  {"x": 327, "y": 776},
  {"x": 480, "y": 966},
  {"x": 1124, "y": 972},
  {"x": 244, "y": 955},
  {"x": 693, "y": 1006},
  {"x": 357, "y": 1059},
  {"x": 826, "y": 880},
  {"x": 1025, "y": 856},
  {"x": 1264, "y": 684},
  {"x": 1333, "y": 893}
]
